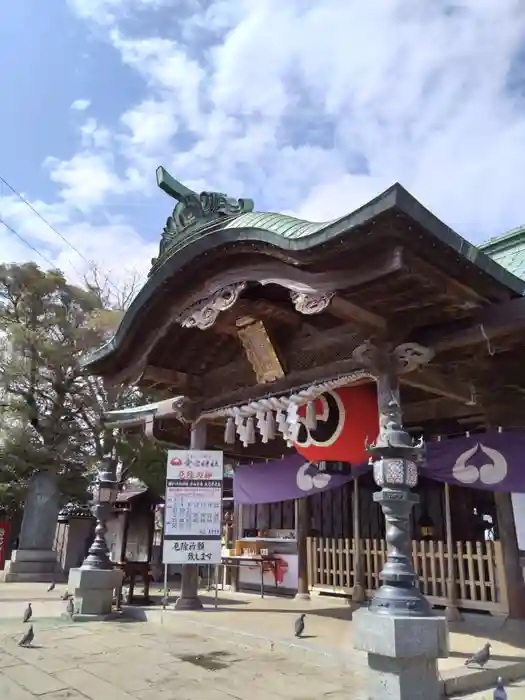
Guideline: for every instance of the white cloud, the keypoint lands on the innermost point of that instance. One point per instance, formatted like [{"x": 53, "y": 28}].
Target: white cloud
[
  {"x": 80, "y": 105},
  {"x": 109, "y": 245},
  {"x": 305, "y": 106},
  {"x": 85, "y": 180},
  {"x": 318, "y": 107}
]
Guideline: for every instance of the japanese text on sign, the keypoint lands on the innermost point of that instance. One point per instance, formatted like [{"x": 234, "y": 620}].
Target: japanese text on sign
[{"x": 193, "y": 506}]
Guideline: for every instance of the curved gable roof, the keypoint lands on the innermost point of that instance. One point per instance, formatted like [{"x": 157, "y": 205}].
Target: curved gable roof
[{"x": 296, "y": 236}]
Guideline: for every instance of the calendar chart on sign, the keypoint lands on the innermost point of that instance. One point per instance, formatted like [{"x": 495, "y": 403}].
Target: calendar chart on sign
[
  {"x": 193, "y": 506},
  {"x": 192, "y": 509}
]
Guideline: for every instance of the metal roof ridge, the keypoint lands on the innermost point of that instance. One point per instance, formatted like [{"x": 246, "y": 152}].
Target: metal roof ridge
[{"x": 504, "y": 239}]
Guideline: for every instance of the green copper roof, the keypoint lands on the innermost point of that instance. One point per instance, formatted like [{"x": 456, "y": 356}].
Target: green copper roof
[
  {"x": 281, "y": 224},
  {"x": 203, "y": 223},
  {"x": 508, "y": 250},
  {"x": 198, "y": 215}
]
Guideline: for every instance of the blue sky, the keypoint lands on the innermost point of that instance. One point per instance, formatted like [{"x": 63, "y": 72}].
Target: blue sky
[{"x": 309, "y": 108}]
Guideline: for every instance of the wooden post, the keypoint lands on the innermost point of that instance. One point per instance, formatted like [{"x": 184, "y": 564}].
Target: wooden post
[
  {"x": 358, "y": 591},
  {"x": 302, "y": 522},
  {"x": 124, "y": 537},
  {"x": 511, "y": 555},
  {"x": 508, "y": 538},
  {"x": 189, "y": 590},
  {"x": 452, "y": 613},
  {"x": 238, "y": 527}
]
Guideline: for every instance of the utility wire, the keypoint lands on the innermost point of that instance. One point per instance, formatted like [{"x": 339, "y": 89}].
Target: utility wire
[
  {"x": 27, "y": 243},
  {"x": 54, "y": 229}
]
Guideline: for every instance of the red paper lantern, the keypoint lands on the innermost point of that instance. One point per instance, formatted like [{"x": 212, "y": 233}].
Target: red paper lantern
[{"x": 346, "y": 418}]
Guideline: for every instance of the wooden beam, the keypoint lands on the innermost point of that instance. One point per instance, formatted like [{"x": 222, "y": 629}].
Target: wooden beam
[
  {"x": 265, "y": 310},
  {"x": 451, "y": 286},
  {"x": 262, "y": 310},
  {"x": 185, "y": 383},
  {"x": 489, "y": 323},
  {"x": 294, "y": 380},
  {"x": 272, "y": 270},
  {"x": 175, "y": 434},
  {"x": 437, "y": 409},
  {"x": 433, "y": 382},
  {"x": 348, "y": 311},
  {"x": 347, "y": 333}
]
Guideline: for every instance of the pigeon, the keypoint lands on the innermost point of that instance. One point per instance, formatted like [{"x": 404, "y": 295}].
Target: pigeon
[
  {"x": 481, "y": 657},
  {"x": 65, "y": 596},
  {"x": 299, "y": 625},
  {"x": 51, "y": 587},
  {"x": 27, "y": 638},
  {"x": 70, "y": 607},
  {"x": 28, "y": 612},
  {"x": 499, "y": 691}
]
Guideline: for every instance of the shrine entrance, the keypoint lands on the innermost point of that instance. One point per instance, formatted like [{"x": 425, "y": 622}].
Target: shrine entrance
[{"x": 252, "y": 321}]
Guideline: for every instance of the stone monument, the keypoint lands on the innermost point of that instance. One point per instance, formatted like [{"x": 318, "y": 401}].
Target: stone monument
[{"x": 35, "y": 559}]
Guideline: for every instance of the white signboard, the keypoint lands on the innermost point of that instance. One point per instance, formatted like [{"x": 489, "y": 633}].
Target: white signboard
[{"x": 193, "y": 507}]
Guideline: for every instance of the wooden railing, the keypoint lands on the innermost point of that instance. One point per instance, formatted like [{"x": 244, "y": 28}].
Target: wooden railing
[{"x": 478, "y": 570}]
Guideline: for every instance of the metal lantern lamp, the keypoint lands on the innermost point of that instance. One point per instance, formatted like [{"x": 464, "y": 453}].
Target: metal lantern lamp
[
  {"x": 395, "y": 473},
  {"x": 395, "y": 460},
  {"x": 104, "y": 495}
]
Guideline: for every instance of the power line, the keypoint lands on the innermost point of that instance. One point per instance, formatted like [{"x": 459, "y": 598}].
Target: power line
[
  {"x": 55, "y": 230},
  {"x": 27, "y": 243}
]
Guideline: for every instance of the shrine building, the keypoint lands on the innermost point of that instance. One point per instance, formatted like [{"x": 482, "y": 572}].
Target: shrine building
[{"x": 279, "y": 341}]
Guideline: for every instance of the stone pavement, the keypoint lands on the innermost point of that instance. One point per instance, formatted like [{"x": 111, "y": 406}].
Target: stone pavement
[
  {"x": 329, "y": 635},
  {"x": 244, "y": 649},
  {"x": 146, "y": 661}
]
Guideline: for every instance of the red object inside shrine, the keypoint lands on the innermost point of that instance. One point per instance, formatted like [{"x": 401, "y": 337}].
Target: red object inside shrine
[{"x": 345, "y": 419}]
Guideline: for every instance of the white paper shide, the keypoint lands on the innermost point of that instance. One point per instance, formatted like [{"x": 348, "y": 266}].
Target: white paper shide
[{"x": 193, "y": 507}]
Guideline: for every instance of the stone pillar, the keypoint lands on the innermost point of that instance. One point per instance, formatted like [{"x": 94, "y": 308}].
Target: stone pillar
[
  {"x": 35, "y": 559},
  {"x": 399, "y": 632},
  {"x": 189, "y": 589},
  {"x": 302, "y": 522}
]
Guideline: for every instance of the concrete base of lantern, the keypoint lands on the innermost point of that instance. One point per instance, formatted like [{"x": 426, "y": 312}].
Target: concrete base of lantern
[
  {"x": 402, "y": 654},
  {"x": 93, "y": 590}
]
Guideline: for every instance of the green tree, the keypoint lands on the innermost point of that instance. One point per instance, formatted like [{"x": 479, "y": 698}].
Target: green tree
[
  {"x": 46, "y": 326},
  {"x": 143, "y": 458},
  {"x": 139, "y": 456},
  {"x": 50, "y": 410}
]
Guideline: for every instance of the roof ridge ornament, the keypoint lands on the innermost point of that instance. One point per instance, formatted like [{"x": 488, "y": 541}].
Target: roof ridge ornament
[{"x": 193, "y": 211}]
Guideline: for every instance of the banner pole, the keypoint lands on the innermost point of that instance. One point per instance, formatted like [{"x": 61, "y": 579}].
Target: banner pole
[{"x": 452, "y": 613}]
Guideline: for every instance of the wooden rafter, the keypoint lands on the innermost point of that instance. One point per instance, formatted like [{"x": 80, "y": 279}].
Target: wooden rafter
[
  {"x": 492, "y": 322},
  {"x": 348, "y": 311},
  {"x": 435, "y": 409},
  {"x": 452, "y": 287},
  {"x": 180, "y": 381},
  {"x": 433, "y": 382}
]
